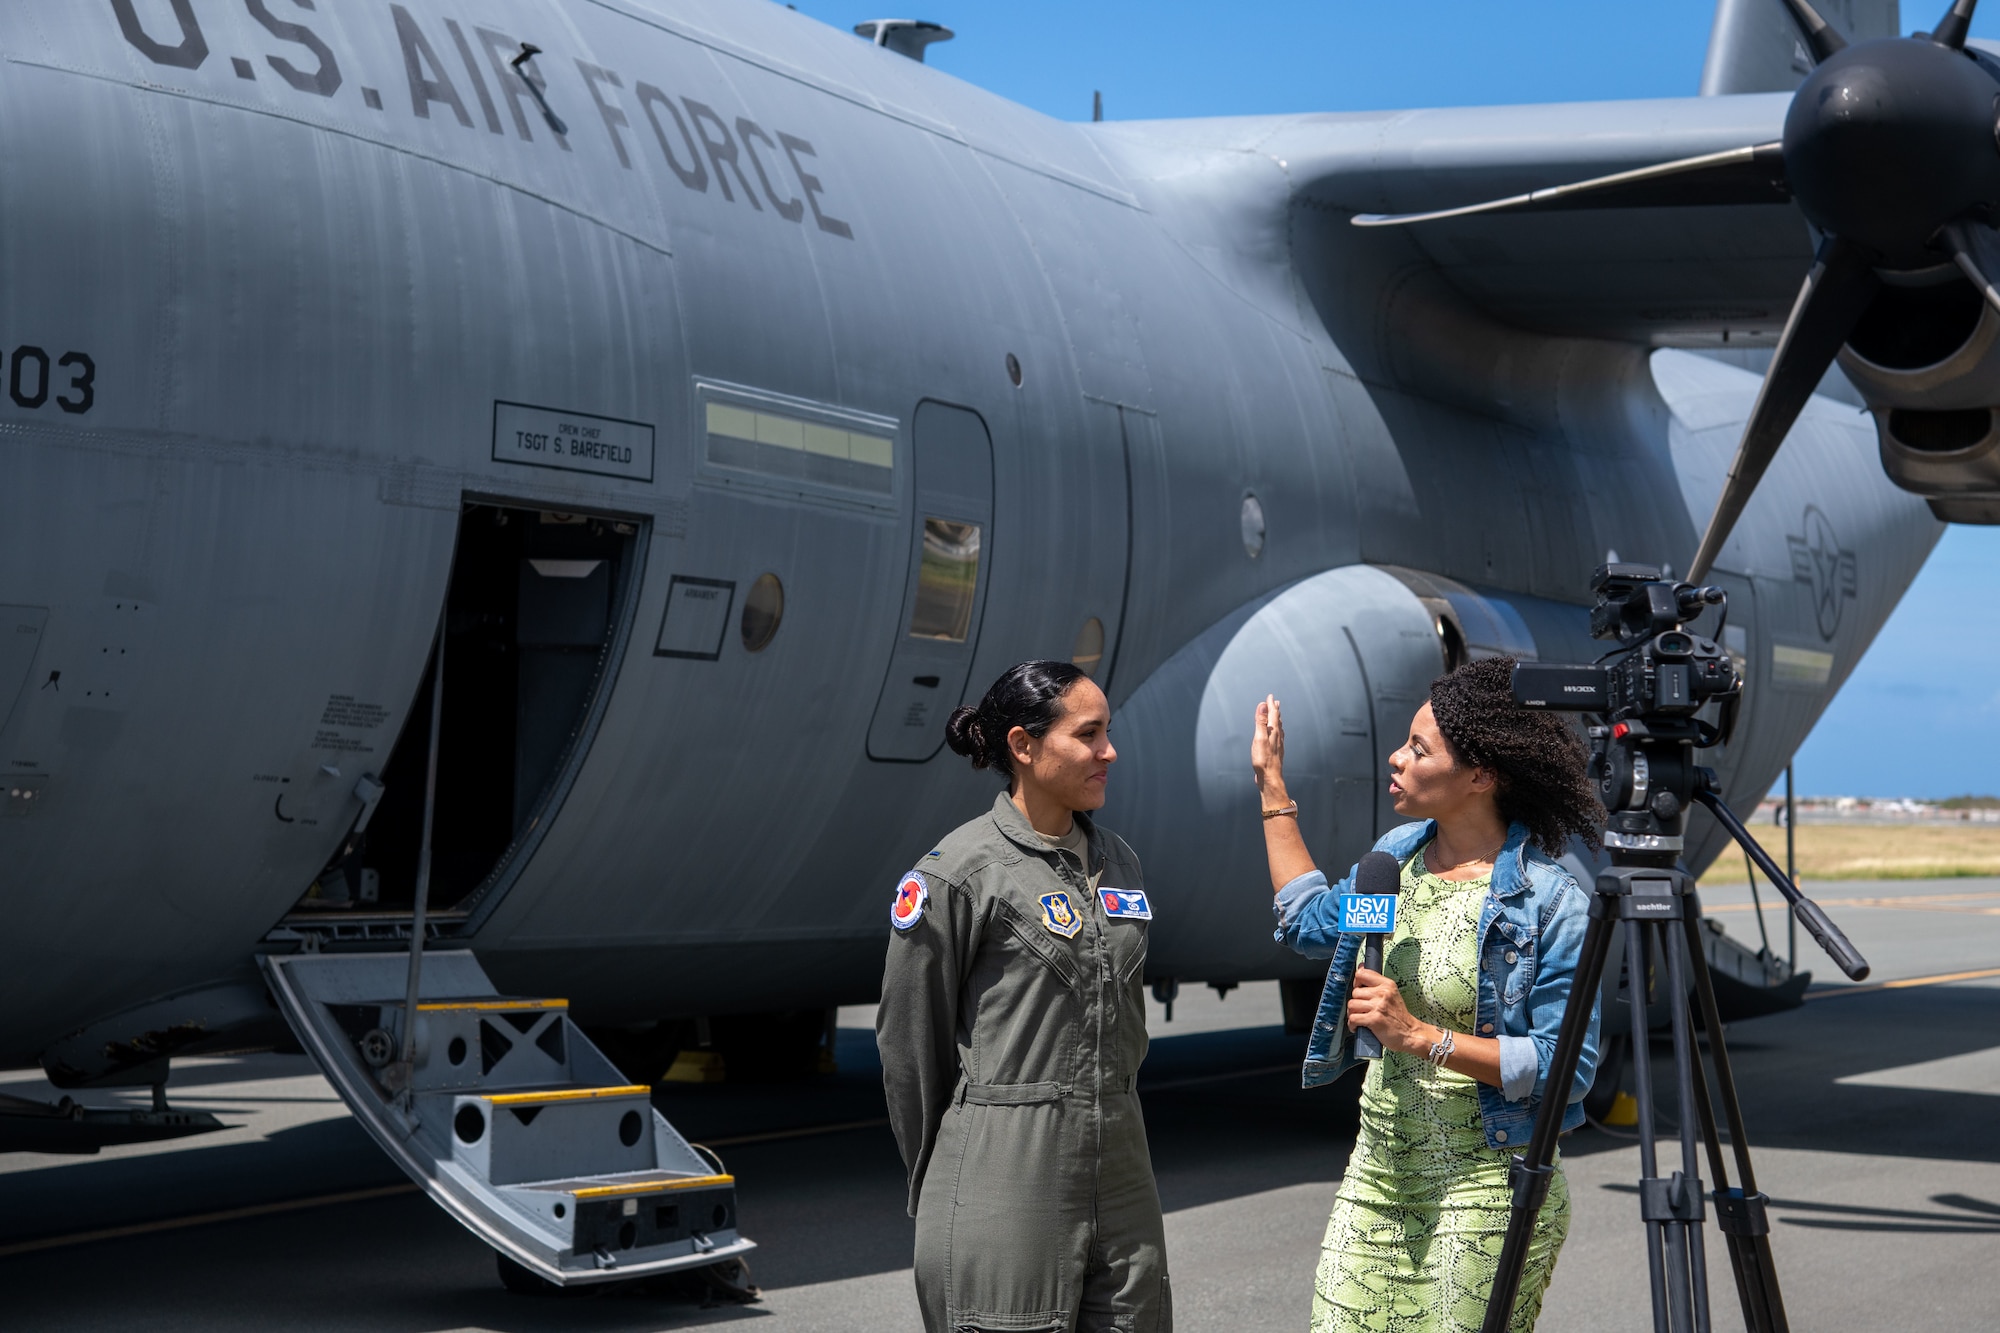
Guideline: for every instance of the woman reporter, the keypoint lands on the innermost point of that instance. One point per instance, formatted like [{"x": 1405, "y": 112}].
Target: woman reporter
[
  {"x": 1011, "y": 1029},
  {"x": 1467, "y": 1005}
]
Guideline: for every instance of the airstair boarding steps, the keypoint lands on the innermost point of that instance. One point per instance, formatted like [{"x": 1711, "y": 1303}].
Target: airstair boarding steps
[
  {"x": 1749, "y": 983},
  {"x": 511, "y": 1120}
]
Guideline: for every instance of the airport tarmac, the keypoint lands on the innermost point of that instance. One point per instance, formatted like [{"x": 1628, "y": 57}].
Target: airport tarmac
[{"x": 1873, "y": 1112}]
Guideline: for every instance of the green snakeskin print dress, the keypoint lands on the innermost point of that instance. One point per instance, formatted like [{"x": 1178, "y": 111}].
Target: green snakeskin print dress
[{"x": 1417, "y": 1223}]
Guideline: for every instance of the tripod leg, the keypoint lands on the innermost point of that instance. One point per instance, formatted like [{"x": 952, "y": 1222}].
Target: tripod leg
[
  {"x": 1742, "y": 1266},
  {"x": 1531, "y": 1171},
  {"x": 1690, "y": 1269},
  {"x": 1637, "y": 974},
  {"x": 1740, "y": 1212}
]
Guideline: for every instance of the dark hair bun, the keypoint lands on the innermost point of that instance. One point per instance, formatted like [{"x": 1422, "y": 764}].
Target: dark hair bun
[
  {"x": 964, "y": 735},
  {"x": 1027, "y": 695}
]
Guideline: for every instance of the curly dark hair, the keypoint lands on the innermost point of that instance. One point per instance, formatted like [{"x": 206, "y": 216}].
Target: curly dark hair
[{"x": 1538, "y": 758}]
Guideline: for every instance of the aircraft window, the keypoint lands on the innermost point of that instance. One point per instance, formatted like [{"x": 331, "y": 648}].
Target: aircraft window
[
  {"x": 946, "y": 579},
  {"x": 1806, "y": 667},
  {"x": 1253, "y": 526},
  {"x": 784, "y": 446},
  {"x": 763, "y": 608},
  {"x": 1089, "y": 649}
]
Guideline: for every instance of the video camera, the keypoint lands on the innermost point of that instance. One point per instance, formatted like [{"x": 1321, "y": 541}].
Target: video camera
[
  {"x": 1665, "y": 672},
  {"x": 1646, "y": 695}
]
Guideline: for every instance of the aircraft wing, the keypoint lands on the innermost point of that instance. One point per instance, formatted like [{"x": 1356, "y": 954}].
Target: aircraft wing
[{"x": 1635, "y": 262}]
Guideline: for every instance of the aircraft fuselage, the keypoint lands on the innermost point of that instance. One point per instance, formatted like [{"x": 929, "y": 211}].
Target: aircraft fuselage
[{"x": 296, "y": 295}]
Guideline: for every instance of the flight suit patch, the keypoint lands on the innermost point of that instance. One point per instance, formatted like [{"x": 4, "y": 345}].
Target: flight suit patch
[
  {"x": 1059, "y": 916},
  {"x": 912, "y": 895},
  {"x": 1128, "y": 903}
]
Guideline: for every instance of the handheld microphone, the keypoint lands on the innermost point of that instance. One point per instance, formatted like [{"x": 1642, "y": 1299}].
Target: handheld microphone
[{"x": 1377, "y": 877}]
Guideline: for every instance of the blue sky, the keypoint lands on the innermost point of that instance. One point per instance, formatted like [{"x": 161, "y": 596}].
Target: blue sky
[{"x": 1921, "y": 714}]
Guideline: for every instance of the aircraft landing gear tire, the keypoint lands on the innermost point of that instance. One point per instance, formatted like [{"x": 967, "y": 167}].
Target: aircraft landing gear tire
[
  {"x": 729, "y": 1283},
  {"x": 726, "y": 1283},
  {"x": 523, "y": 1281}
]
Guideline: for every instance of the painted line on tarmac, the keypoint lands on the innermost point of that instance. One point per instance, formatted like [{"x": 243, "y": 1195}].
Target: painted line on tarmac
[
  {"x": 350, "y": 1196},
  {"x": 1926, "y": 902},
  {"x": 1219, "y": 1078},
  {"x": 353, "y": 1196},
  {"x": 812, "y": 1131},
  {"x": 386, "y": 1191},
  {"x": 203, "y": 1219},
  {"x": 1938, "y": 979},
  {"x": 802, "y": 1132}
]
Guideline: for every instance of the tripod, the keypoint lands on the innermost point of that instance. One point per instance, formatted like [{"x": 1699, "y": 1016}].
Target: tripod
[{"x": 1644, "y": 890}]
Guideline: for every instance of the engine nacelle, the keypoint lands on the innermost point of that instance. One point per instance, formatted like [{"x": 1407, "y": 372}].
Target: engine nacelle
[
  {"x": 1926, "y": 357},
  {"x": 1350, "y": 653}
]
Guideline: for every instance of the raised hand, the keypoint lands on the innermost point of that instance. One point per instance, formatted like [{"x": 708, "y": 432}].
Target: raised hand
[{"x": 1267, "y": 750}]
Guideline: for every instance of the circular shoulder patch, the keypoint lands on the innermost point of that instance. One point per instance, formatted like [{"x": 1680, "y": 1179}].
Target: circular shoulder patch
[{"x": 913, "y": 894}]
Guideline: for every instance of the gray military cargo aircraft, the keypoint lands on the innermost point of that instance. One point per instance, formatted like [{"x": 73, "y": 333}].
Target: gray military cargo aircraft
[{"x": 531, "y": 478}]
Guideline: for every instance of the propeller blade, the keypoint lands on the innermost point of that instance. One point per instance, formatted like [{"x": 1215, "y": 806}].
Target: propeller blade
[
  {"x": 1752, "y": 175},
  {"x": 1830, "y": 304},
  {"x": 1956, "y": 23},
  {"x": 1957, "y": 238},
  {"x": 1822, "y": 37}
]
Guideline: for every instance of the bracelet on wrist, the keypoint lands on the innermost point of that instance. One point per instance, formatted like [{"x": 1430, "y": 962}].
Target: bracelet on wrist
[
  {"x": 1290, "y": 809},
  {"x": 1442, "y": 1048}
]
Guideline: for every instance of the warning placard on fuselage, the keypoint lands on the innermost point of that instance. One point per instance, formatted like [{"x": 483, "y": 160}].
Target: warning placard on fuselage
[{"x": 572, "y": 441}]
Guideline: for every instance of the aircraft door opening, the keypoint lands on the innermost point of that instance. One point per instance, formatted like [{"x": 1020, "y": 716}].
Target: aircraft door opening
[
  {"x": 945, "y": 595},
  {"x": 538, "y": 609}
]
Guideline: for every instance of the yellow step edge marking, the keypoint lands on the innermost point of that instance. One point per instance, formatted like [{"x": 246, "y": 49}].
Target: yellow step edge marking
[
  {"x": 440, "y": 1006},
  {"x": 650, "y": 1186},
  {"x": 564, "y": 1095}
]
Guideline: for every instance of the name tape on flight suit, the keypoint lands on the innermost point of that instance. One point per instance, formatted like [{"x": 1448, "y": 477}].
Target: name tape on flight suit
[
  {"x": 1059, "y": 916},
  {"x": 913, "y": 893},
  {"x": 1130, "y": 903}
]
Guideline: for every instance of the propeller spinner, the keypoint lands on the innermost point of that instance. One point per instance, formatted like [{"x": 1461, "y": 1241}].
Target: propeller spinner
[{"x": 1891, "y": 149}]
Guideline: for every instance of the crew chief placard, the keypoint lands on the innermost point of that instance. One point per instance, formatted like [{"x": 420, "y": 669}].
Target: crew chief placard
[{"x": 572, "y": 441}]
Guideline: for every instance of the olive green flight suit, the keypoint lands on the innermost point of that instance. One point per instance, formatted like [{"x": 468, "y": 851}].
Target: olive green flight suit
[{"x": 1010, "y": 1055}]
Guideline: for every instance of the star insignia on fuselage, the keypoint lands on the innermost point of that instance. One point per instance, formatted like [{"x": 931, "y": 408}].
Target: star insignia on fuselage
[{"x": 1819, "y": 561}]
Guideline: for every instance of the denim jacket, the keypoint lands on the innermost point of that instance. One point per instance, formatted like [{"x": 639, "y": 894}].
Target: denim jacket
[{"x": 1530, "y": 936}]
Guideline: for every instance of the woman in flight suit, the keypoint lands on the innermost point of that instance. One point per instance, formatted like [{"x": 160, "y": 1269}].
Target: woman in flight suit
[{"x": 1011, "y": 1029}]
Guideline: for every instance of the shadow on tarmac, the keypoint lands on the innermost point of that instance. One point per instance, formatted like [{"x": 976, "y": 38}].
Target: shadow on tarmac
[
  {"x": 1788, "y": 1068},
  {"x": 1225, "y": 1114},
  {"x": 1963, "y": 1215},
  {"x": 823, "y": 1206}
]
